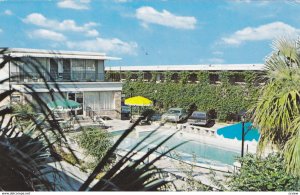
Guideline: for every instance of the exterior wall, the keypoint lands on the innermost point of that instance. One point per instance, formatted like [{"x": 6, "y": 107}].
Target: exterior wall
[
  {"x": 118, "y": 97},
  {"x": 116, "y": 113},
  {"x": 93, "y": 94},
  {"x": 59, "y": 69},
  {"x": 94, "y": 102},
  {"x": 73, "y": 86},
  {"x": 47, "y": 97},
  {"x": 4, "y": 71},
  {"x": 122, "y": 73},
  {"x": 235, "y": 77},
  {"x": 4, "y": 74}
]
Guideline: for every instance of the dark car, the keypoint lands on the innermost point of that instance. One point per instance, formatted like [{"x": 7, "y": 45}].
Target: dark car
[
  {"x": 202, "y": 119},
  {"x": 125, "y": 112},
  {"x": 155, "y": 117}
]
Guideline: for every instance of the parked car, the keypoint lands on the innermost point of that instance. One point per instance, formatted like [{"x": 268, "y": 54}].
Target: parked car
[
  {"x": 175, "y": 115},
  {"x": 125, "y": 112},
  {"x": 202, "y": 119},
  {"x": 155, "y": 117}
]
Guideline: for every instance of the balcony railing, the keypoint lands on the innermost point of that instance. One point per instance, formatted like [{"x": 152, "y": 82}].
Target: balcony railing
[{"x": 81, "y": 76}]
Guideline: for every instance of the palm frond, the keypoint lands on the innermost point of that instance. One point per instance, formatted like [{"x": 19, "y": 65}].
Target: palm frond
[
  {"x": 292, "y": 149},
  {"x": 277, "y": 111}
]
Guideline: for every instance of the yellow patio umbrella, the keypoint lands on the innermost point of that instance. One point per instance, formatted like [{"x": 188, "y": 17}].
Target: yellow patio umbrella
[{"x": 138, "y": 101}]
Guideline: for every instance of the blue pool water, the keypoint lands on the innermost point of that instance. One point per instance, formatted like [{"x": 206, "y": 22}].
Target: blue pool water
[
  {"x": 190, "y": 151},
  {"x": 235, "y": 131}
]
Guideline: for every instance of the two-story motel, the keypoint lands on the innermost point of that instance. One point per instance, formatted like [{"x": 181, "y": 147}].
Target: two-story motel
[{"x": 79, "y": 75}]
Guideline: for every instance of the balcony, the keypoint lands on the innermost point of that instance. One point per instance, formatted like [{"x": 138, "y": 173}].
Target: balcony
[{"x": 74, "y": 76}]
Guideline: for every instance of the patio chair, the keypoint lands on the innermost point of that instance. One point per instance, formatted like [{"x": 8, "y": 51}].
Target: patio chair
[
  {"x": 67, "y": 125},
  {"x": 145, "y": 121},
  {"x": 101, "y": 122}
]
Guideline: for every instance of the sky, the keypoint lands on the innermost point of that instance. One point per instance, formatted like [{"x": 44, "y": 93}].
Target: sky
[{"x": 152, "y": 32}]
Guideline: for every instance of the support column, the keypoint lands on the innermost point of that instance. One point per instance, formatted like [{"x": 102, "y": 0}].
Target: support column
[{"x": 117, "y": 97}]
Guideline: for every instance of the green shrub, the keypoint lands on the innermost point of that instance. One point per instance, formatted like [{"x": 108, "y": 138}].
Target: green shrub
[
  {"x": 24, "y": 112},
  {"x": 263, "y": 174},
  {"x": 227, "y": 100},
  {"x": 95, "y": 141}
]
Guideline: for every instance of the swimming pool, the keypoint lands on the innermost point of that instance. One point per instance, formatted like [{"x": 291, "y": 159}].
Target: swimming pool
[
  {"x": 190, "y": 151},
  {"x": 235, "y": 131}
]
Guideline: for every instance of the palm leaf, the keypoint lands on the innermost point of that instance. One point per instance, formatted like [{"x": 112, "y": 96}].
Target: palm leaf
[{"x": 277, "y": 111}]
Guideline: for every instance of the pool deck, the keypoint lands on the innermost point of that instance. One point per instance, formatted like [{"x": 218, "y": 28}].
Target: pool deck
[
  {"x": 201, "y": 134},
  {"x": 204, "y": 135},
  {"x": 201, "y": 171}
]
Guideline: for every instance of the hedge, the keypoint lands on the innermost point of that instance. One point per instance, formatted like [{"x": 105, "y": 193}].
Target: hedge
[{"x": 226, "y": 99}]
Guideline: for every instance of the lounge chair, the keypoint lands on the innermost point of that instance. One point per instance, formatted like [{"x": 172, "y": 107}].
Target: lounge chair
[{"x": 67, "y": 125}]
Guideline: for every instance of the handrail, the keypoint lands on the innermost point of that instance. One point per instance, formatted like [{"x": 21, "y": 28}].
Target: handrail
[{"x": 56, "y": 76}]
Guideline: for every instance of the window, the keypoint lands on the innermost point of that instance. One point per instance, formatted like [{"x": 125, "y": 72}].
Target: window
[
  {"x": 107, "y": 100},
  {"x": 78, "y": 65},
  {"x": 90, "y": 69},
  {"x": 214, "y": 78},
  {"x": 77, "y": 97},
  {"x": 66, "y": 69},
  {"x": 171, "y": 111},
  {"x": 43, "y": 64},
  {"x": 53, "y": 68},
  {"x": 90, "y": 65},
  {"x": 78, "y": 69},
  {"x": 99, "y": 101}
]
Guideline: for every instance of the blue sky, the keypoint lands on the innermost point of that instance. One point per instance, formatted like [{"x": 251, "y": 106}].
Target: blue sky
[{"x": 152, "y": 32}]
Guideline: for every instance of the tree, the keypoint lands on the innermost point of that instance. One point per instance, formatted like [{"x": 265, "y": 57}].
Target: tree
[
  {"x": 262, "y": 174},
  {"x": 277, "y": 111}
]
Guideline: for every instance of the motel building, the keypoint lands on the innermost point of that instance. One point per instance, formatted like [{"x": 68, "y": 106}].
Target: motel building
[
  {"x": 79, "y": 75},
  {"x": 157, "y": 73}
]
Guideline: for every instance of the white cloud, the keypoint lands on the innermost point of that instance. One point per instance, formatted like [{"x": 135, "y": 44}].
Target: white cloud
[
  {"x": 165, "y": 18},
  {"x": 1, "y": 30},
  {"x": 92, "y": 33},
  {"x": 293, "y": 2},
  {"x": 74, "y": 4},
  {"x": 113, "y": 45},
  {"x": 8, "y": 12},
  {"x": 47, "y": 34},
  {"x": 264, "y": 32},
  {"x": 65, "y": 25},
  {"x": 218, "y": 53},
  {"x": 259, "y": 2}
]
